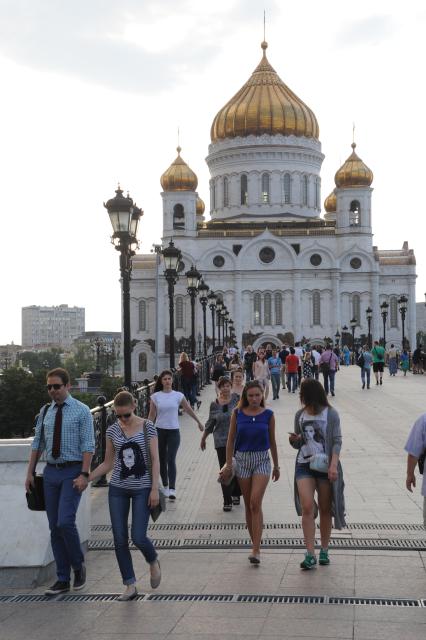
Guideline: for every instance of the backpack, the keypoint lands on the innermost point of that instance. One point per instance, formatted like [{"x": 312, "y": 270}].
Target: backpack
[{"x": 360, "y": 361}]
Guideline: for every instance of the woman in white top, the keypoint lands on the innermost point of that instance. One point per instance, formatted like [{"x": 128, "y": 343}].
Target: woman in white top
[
  {"x": 164, "y": 411},
  {"x": 261, "y": 371}
]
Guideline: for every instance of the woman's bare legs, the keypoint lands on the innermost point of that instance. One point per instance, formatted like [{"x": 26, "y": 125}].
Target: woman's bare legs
[
  {"x": 253, "y": 490},
  {"x": 324, "y": 504},
  {"x": 306, "y": 488}
]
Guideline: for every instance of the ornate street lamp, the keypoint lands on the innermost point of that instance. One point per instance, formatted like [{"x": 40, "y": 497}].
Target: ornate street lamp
[
  {"x": 125, "y": 216},
  {"x": 98, "y": 346},
  {"x": 203, "y": 291},
  {"x": 384, "y": 311},
  {"x": 402, "y": 306},
  {"x": 369, "y": 314},
  {"x": 219, "y": 309},
  {"x": 344, "y": 332},
  {"x": 353, "y": 324},
  {"x": 212, "y": 306},
  {"x": 172, "y": 256},
  {"x": 193, "y": 277},
  {"x": 226, "y": 319},
  {"x": 337, "y": 338}
]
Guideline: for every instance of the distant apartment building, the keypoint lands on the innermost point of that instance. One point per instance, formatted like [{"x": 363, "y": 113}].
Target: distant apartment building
[{"x": 47, "y": 327}]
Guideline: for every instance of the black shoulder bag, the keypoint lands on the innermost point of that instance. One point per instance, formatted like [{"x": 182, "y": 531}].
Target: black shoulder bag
[
  {"x": 161, "y": 506},
  {"x": 35, "y": 496}
]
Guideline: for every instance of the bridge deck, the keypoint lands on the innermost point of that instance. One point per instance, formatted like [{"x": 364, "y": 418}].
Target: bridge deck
[{"x": 381, "y": 556}]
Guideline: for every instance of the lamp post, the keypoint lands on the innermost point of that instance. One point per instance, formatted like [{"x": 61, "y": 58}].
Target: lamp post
[
  {"x": 337, "y": 338},
  {"x": 203, "y": 291},
  {"x": 344, "y": 332},
  {"x": 231, "y": 331},
  {"x": 226, "y": 319},
  {"x": 384, "y": 311},
  {"x": 369, "y": 314},
  {"x": 124, "y": 216},
  {"x": 212, "y": 306},
  {"x": 193, "y": 277},
  {"x": 172, "y": 256},
  {"x": 98, "y": 345},
  {"x": 219, "y": 308},
  {"x": 353, "y": 324},
  {"x": 402, "y": 306}
]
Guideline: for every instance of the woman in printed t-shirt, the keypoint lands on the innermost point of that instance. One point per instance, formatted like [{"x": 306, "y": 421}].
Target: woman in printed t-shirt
[
  {"x": 251, "y": 435},
  {"x": 164, "y": 410},
  {"x": 130, "y": 484},
  {"x": 317, "y": 432}
]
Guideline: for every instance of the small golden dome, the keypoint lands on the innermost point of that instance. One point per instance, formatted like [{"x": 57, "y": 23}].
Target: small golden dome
[
  {"x": 264, "y": 105},
  {"x": 330, "y": 203},
  {"x": 353, "y": 172},
  {"x": 200, "y": 207},
  {"x": 179, "y": 177}
]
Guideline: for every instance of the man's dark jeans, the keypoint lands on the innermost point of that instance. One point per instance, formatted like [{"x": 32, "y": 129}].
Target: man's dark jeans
[
  {"x": 168, "y": 445},
  {"x": 329, "y": 381},
  {"x": 292, "y": 381}
]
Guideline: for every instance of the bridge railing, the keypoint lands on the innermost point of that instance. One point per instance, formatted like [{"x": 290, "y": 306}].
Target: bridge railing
[{"x": 104, "y": 414}]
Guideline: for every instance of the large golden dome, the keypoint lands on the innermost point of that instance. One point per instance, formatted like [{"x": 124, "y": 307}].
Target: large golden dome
[
  {"x": 179, "y": 177},
  {"x": 330, "y": 203},
  {"x": 264, "y": 105},
  {"x": 353, "y": 172}
]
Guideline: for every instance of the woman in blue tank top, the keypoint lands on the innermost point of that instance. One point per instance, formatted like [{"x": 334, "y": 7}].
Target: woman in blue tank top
[{"x": 251, "y": 436}]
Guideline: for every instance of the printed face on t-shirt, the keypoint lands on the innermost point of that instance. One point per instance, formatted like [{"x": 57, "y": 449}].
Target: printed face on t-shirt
[{"x": 128, "y": 458}]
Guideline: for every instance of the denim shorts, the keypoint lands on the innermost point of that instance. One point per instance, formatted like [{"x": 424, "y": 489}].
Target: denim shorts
[{"x": 304, "y": 471}]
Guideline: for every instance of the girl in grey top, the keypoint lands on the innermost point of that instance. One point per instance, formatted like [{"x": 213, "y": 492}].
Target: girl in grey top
[
  {"x": 218, "y": 424},
  {"x": 317, "y": 432}
]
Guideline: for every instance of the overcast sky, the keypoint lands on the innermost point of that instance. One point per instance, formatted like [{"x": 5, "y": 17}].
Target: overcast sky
[{"x": 94, "y": 91}]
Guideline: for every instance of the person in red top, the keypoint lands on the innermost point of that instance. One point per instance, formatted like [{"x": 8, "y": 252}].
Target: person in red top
[
  {"x": 187, "y": 372},
  {"x": 291, "y": 367}
]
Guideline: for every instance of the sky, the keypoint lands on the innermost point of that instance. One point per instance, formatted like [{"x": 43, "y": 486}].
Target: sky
[{"x": 94, "y": 92}]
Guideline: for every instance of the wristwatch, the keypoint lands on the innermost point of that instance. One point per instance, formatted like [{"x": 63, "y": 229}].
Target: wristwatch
[{"x": 84, "y": 473}]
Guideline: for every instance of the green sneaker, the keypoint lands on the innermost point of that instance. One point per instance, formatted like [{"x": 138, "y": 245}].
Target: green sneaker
[
  {"x": 323, "y": 557},
  {"x": 309, "y": 562}
]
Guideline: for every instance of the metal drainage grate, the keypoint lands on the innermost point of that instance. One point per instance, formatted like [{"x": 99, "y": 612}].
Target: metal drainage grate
[
  {"x": 31, "y": 598},
  {"x": 384, "y": 544},
  {"x": 200, "y": 597},
  {"x": 270, "y": 526},
  {"x": 283, "y": 599},
  {"x": 382, "y": 602},
  {"x": 93, "y": 597}
]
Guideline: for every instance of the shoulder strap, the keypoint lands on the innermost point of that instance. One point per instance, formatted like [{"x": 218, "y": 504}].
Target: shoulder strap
[
  {"x": 44, "y": 410},
  {"x": 147, "y": 450}
]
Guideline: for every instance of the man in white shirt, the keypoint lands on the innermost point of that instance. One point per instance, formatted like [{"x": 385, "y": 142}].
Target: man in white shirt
[
  {"x": 299, "y": 352},
  {"x": 316, "y": 356}
]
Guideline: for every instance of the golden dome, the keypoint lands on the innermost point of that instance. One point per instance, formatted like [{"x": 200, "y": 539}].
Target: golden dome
[
  {"x": 330, "y": 203},
  {"x": 179, "y": 177},
  {"x": 264, "y": 105},
  {"x": 353, "y": 172},
  {"x": 200, "y": 207}
]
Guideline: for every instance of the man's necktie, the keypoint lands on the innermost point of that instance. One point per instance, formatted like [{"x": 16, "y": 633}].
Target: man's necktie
[{"x": 56, "y": 446}]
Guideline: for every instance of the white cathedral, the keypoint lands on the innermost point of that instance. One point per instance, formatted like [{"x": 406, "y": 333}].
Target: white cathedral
[{"x": 283, "y": 271}]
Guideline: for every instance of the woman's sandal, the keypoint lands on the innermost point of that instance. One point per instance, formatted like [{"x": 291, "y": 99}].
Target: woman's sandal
[
  {"x": 254, "y": 559},
  {"x": 227, "y": 507}
]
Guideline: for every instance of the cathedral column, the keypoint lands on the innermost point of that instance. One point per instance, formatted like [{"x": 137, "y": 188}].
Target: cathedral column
[
  {"x": 237, "y": 311},
  {"x": 335, "y": 280},
  {"x": 297, "y": 329},
  {"x": 375, "y": 305}
]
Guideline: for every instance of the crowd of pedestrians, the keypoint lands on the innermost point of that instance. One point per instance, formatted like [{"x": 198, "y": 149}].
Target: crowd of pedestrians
[{"x": 139, "y": 452}]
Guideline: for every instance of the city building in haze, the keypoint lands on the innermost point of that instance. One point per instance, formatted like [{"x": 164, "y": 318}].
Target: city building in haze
[{"x": 47, "y": 327}]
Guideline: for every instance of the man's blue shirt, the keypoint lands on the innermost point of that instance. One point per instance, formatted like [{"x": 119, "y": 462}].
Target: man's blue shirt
[{"x": 77, "y": 434}]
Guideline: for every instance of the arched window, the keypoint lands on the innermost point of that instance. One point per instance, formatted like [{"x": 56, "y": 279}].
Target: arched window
[
  {"x": 142, "y": 315},
  {"x": 178, "y": 217},
  {"x": 265, "y": 187},
  {"x": 179, "y": 313},
  {"x": 355, "y": 213},
  {"x": 225, "y": 192},
  {"x": 267, "y": 309},
  {"x": 257, "y": 302},
  {"x": 305, "y": 190},
  {"x": 278, "y": 303},
  {"x": 143, "y": 362},
  {"x": 287, "y": 188},
  {"x": 317, "y": 194},
  {"x": 244, "y": 189},
  {"x": 356, "y": 308},
  {"x": 316, "y": 308},
  {"x": 393, "y": 312}
]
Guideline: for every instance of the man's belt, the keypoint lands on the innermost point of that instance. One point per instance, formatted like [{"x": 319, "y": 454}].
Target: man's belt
[{"x": 63, "y": 465}]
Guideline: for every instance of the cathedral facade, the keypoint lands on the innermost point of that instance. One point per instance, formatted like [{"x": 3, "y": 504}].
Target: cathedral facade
[{"x": 284, "y": 272}]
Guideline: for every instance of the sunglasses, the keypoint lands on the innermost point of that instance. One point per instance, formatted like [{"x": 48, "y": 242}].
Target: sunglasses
[
  {"x": 123, "y": 415},
  {"x": 54, "y": 386}
]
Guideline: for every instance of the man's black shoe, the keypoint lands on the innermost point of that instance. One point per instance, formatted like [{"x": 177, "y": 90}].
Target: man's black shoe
[
  {"x": 79, "y": 578},
  {"x": 57, "y": 588}
]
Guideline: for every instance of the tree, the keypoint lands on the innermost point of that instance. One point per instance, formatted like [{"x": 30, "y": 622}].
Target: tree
[
  {"x": 82, "y": 361},
  {"x": 37, "y": 361},
  {"x": 21, "y": 397},
  {"x": 110, "y": 386}
]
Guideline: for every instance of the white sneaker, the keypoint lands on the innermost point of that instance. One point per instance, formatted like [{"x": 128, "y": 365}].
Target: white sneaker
[
  {"x": 166, "y": 492},
  {"x": 172, "y": 494}
]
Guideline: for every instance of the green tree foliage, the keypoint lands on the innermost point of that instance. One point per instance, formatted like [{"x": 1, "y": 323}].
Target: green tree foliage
[
  {"x": 37, "y": 361},
  {"x": 21, "y": 397},
  {"x": 86, "y": 398},
  {"x": 82, "y": 361},
  {"x": 110, "y": 386}
]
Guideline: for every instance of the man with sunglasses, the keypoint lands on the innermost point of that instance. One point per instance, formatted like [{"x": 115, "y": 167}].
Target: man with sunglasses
[{"x": 68, "y": 442}]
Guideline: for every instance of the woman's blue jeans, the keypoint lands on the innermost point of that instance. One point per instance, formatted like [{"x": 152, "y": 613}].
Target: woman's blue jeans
[{"x": 119, "y": 500}]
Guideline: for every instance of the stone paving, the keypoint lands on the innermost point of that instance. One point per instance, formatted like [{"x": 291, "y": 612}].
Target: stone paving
[{"x": 375, "y": 424}]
